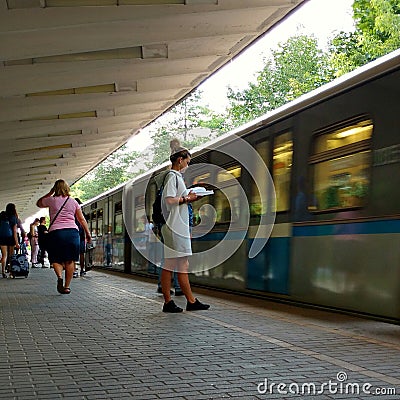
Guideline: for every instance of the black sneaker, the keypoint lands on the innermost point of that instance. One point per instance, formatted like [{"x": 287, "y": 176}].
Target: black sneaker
[
  {"x": 196, "y": 306},
  {"x": 171, "y": 307},
  {"x": 178, "y": 292}
]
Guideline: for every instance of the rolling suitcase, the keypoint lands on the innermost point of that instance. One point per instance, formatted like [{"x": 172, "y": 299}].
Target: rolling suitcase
[{"x": 19, "y": 264}]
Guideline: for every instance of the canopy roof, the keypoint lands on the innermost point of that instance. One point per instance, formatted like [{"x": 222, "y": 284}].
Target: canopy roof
[{"x": 78, "y": 78}]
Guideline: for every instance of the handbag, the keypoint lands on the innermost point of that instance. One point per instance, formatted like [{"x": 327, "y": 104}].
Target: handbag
[{"x": 45, "y": 238}]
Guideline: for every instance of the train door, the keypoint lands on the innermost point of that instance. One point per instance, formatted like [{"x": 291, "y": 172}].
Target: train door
[
  {"x": 269, "y": 270},
  {"x": 108, "y": 226},
  {"x": 118, "y": 241}
]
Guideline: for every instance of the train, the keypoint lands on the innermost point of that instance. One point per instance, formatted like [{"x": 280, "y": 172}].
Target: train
[{"x": 327, "y": 231}]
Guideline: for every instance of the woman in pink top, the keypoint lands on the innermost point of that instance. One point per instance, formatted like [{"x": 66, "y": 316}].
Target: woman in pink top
[{"x": 63, "y": 236}]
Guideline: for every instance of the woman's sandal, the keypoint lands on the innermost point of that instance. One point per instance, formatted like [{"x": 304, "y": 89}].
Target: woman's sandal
[
  {"x": 66, "y": 290},
  {"x": 60, "y": 285}
]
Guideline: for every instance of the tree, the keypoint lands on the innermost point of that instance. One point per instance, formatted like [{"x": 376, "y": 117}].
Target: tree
[
  {"x": 296, "y": 67},
  {"x": 377, "y": 33},
  {"x": 179, "y": 122},
  {"x": 108, "y": 174}
]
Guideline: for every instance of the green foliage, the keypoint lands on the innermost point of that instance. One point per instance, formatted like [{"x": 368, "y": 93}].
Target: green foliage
[
  {"x": 184, "y": 117},
  {"x": 377, "y": 33},
  {"x": 108, "y": 174},
  {"x": 160, "y": 146},
  {"x": 114, "y": 170},
  {"x": 296, "y": 67}
]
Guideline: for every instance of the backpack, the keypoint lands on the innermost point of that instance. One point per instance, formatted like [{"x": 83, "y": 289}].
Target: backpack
[
  {"x": 191, "y": 214},
  {"x": 5, "y": 227},
  {"x": 158, "y": 214}
]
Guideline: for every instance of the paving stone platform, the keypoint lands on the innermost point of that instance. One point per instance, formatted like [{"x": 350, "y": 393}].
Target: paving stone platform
[{"x": 109, "y": 339}]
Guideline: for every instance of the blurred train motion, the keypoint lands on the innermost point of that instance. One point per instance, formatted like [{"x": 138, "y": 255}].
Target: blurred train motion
[{"x": 334, "y": 157}]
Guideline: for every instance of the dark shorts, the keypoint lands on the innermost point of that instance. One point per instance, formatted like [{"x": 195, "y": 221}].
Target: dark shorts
[
  {"x": 7, "y": 241},
  {"x": 63, "y": 245}
]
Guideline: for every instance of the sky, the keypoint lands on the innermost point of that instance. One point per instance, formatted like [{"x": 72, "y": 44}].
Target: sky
[{"x": 321, "y": 18}]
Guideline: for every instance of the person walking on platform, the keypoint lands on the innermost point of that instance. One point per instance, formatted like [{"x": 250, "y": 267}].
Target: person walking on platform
[
  {"x": 176, "y": 232},
  {"x": 8, "y": 235},
  {"x": 42, "y": 232},
  {"x": 82, "y": 245},
  {"x": 63, "y": 237},
  {"x": 33, "y": 236}
]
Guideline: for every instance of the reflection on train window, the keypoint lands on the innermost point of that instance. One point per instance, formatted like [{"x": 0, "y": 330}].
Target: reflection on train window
[
  {"x": 118, "y": 207},
  {"x": 228, "y": 174},
  {"x": 118, "y": 224},
  {"x": 257, "y": 207},
  {"x": 140, "y": 219},
  {"x": 341, "y": 169},
  {"x": 140, "y": 214},
  {"x": 100, "y": 227},
  {"x": 100, "y": 222},
  {"x": 203, "y": 178},
  {"x": 197, "y": 215},
  {"x": 343, "y": 137},
  {"x": 227, "y": 213},
  {"x": 282, "y": 167}
]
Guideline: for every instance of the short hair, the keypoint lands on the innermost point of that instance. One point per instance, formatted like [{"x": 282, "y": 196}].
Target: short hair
[
  {"x": 42, "y": 219},
  {"x": 61, "y": 188}
]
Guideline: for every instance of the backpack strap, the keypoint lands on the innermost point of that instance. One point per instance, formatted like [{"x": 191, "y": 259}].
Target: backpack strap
[{"x": 165, "y": 177}]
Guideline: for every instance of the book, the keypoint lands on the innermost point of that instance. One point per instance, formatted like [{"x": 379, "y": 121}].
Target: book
[{"x": 201, "y": 191}]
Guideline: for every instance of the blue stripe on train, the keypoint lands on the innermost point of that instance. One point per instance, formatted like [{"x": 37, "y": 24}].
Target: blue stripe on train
[
  {"x": 353, "y": 228},
  {"x": 269, "y": 270}
]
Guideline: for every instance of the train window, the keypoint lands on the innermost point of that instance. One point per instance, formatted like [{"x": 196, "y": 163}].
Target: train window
[
  {"x": 341, "y": 163},
  {"x": 230, "y": 190},
  {"x": 107, "y": 219},
  {"x": 225, "y": 212},
  {"x": 140, "y": 214},
  {"x": 257, "y": 208},
  {"x": 100, "y": 227},
  {"x": 118, "y": 224},
  {"x": 354, "y": 133},
  {"x": 228, "y": 174},
  {"x": 118, "y": 207},
  {"x": 203, "y": 215},
  {"x": 282, "y": 167},
  {"x": 203, "y": 178},
  {"x": 140, "y": 219},
  {"x": 118, "y": 220}
]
